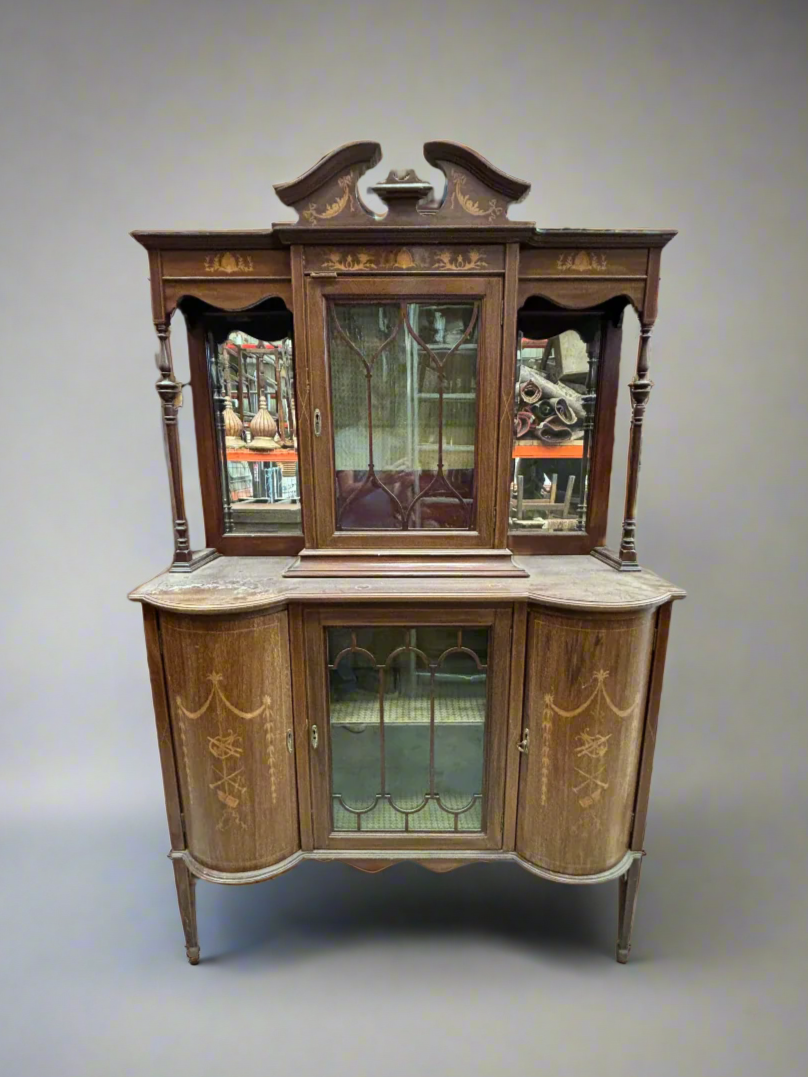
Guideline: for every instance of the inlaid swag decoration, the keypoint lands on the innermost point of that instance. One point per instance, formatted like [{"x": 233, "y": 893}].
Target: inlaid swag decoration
[
  {"x": 591, "y": 744},
  {"x": 226, "y": 747}
]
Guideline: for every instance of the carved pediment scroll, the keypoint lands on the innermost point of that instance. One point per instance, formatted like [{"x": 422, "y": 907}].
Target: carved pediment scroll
[
  {"x": 327, "y": 193},
  {"x": 476, "y": 192}
]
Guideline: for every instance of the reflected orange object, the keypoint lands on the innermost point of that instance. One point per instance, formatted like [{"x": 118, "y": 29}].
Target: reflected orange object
[
  {"x": 278, "y": 456},
  {"x": 571, "y": 451}
]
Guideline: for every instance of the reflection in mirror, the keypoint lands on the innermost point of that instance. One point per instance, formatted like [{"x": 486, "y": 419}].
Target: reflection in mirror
[
  {"x": 404, "y": 406},
  {"x": 555, "y": 397},
  {"x": 254, "y": 401}
]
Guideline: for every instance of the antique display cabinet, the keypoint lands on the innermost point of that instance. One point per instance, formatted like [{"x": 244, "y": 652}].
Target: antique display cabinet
[{"x": 405, "y": 638}]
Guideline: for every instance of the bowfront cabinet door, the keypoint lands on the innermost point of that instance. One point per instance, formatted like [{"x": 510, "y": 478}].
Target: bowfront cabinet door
[
  {"x": 407, "y": 715},
  {"x": 404, "y": 410},
  {"x": 587, "y": 682},
  {"x": 231, "y": 724}
]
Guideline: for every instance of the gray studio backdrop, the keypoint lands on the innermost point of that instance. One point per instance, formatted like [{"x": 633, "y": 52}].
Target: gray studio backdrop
[{"x": 177, "y": 115}]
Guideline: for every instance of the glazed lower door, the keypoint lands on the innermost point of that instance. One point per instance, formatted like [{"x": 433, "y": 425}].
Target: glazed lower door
[{"x": 407, "y": 726}]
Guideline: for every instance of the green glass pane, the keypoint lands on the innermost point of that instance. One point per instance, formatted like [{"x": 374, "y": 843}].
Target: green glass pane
[{"x": 407, "y": 714}]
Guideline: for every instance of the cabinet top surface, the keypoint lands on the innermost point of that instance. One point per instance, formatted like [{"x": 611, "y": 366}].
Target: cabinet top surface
[{"x": 232, "y": 584}]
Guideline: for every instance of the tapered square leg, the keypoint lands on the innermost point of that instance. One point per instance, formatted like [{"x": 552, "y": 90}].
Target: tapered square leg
[
  {"x": 186, "y": 896},
  {"x": 627, "y": 903}
]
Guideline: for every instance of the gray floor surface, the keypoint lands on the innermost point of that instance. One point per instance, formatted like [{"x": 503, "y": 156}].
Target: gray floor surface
[{"x": 487, "y": 970}]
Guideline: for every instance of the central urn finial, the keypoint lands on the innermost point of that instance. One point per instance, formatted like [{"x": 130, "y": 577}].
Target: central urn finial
[{"x": 403, "y": 193}]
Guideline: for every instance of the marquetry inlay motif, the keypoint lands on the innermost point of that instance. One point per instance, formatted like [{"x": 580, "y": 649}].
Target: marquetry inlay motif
[
  {"x": 227, "y": 748},
  {"x": 583, "y": 261},
  {"x": 403, "y": 259},
  {"x": 333, "y": 209},
  {"x": 590, "y": 746},
  {"x": 228, "y": 263},
  {"x": 448, "y": 260},
  {"x": 489, "y": 208}
]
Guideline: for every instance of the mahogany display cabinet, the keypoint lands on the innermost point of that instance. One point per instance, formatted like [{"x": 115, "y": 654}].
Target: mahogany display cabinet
[{"x": 405, "y": 638}]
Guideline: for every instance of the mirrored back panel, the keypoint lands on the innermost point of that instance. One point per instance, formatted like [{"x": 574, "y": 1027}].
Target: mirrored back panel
[
  {"x": 555, "y": 401},
  {"x": 251, "y": 371}
]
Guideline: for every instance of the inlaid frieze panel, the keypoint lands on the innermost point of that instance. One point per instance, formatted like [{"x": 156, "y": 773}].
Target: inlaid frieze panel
[
  {"x": 583, "y": 262},
  {"x": 227, "y": 264},
  {"x": 228, "y": 685},
  {"x": 412, "y": 259}
]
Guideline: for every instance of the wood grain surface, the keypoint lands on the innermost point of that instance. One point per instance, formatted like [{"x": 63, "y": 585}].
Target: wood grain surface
[
  {"x": 228, "y": 682},
  {"x": 587, "y": 679}
]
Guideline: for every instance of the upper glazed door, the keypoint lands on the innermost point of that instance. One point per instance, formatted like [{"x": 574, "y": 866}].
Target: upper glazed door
[{"x": 404, "y": 411}]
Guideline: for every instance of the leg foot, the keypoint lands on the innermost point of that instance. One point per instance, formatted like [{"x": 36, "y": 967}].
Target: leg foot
[
  {"x": 627, "y": 903},
  {"x": 186, "y": 896}
]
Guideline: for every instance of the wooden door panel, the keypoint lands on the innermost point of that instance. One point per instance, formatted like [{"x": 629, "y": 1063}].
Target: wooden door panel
[
  {"x": 228, "y": 681},
  {"x": 587, "y": 679}
]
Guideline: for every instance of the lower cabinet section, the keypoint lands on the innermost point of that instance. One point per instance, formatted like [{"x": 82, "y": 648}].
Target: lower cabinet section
[
  {"x": 385, "y": 721},
  {"x": 406, "y": 732},
  {"x": 586, "y": 688},
  {"x": 440, "y": 734},
  {"x": 229, "y": 699}
]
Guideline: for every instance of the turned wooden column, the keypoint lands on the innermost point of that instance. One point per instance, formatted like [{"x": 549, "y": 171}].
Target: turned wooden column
[
  {"x": 588, "y": 400},
  {"x": 640, "y": 389},
  {"x": 170, "y": 392},
  {"x": 222, "y": 396}
]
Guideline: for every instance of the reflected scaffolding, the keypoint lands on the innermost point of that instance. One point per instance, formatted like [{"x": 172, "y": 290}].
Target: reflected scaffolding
[{"x": 555, "y": 397}]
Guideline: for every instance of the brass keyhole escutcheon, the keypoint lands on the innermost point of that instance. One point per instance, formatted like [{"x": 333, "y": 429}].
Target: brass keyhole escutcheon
[{"x": 318, "y": 423}]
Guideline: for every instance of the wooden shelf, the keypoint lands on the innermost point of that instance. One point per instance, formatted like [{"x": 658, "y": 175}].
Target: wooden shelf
[
  {"x": 572, "y": 450},
  {"x": 447, "y": 396},
  {"x": 469, "y": 347},
  {"x": 276, "y": 456},
  {"x": 406, "y": 711}
]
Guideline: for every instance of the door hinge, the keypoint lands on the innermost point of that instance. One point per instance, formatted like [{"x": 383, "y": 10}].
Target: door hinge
[
  {"x": 314, "y": 737},
  {"x": 524, "y": 743},
  {"x": 290, "y": 743}
]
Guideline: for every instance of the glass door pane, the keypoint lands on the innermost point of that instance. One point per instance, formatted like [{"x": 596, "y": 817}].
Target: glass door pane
[
  {"x": 404, "y": 411},
  {"x": 408, "y": 709}
]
